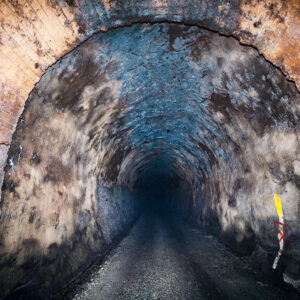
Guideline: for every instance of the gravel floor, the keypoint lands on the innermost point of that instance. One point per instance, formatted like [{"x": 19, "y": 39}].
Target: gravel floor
[{"x": 165, "y": 259}]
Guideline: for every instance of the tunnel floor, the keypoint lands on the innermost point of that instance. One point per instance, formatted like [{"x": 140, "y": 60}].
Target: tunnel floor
[{"x": 165, "y": 258}]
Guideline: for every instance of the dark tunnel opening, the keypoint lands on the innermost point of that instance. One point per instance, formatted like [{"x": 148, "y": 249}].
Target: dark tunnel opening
[
  {"x": 160, "y": 189},
  {"x": 163, "y": 126}
]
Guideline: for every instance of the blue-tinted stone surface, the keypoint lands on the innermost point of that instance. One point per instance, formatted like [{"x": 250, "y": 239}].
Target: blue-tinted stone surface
[{"x": 142, "y": 112}]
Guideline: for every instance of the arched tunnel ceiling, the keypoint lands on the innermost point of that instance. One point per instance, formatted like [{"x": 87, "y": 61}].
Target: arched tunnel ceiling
[
  {"x": 34, "y": 34},
  {"x": 175, "y": 88},
  {"x": 153, "y": 100},
  {"x": 163, "y": 99},
  {"x": 169, "y": 93}
]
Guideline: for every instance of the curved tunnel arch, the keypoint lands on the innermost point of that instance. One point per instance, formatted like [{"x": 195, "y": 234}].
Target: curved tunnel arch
[{"x": 246, "y": 144}]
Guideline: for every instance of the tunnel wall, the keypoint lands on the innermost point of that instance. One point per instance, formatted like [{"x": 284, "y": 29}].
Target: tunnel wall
[
  {"x": 208, "y": 110},
  {"x": 63, "y": 203},
  {"x": 241, "y": 190},
  {"x": 34, "y": 35}
]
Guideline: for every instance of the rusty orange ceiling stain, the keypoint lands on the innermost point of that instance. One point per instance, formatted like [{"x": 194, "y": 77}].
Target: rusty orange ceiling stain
[
  {"x": 108, "y": 4},
  {"x": 33, "y": 36},
  {"x": 274, "y": 28}
]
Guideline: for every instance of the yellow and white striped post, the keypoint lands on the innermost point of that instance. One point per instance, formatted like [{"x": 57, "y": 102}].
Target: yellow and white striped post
[{"x": 278, "y": 206}]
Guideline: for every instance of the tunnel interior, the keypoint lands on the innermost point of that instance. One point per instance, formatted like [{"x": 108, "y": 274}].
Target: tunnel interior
[
  {"x": 150, "y": 118},
  {"x": 159, "y": 188}
]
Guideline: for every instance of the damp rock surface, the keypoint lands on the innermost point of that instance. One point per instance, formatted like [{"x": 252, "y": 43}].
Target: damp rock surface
[{"x": 197, "y": 115}]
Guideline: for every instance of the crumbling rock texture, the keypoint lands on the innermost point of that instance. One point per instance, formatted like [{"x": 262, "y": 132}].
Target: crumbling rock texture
[
  {"x": 167, "y": 104},
  {"x": 215, "y": 121}
]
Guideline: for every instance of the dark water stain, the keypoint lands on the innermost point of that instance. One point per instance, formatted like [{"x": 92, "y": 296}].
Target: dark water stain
[
  {"x": 32, "y": 215},
  {"x": 61, "y": 262},
  {"x": 232, "y": 201},
  {"x": 174, "y": 32},
  {"x": 222, "y": 103},
  {"x": 212, "y": 158},
  {"x": 73, "y": 86},
  {"x": 31, "y": 243},
  {"x": 57, "y": 172},
  {"x": 71, "y": 2},
  {"x": 243, "y": 247},
  {"x": 115, "y": 161}
]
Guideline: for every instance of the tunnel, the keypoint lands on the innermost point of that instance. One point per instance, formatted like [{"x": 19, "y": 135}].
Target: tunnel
[{"x": 150, "y": 149}]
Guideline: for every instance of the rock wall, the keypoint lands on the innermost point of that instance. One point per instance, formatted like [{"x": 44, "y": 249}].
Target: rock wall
[
  {"x": 165, "y": 100},
  {"x": 55, "y": 220}
]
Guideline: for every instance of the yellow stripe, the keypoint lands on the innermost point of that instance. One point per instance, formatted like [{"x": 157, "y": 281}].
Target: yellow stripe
[{"x": 278, "y": 205}]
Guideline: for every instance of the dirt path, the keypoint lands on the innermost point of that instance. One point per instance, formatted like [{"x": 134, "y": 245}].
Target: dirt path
[{"x": 160, "y": 259}]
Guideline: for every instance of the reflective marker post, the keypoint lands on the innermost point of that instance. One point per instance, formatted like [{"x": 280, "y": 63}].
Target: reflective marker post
[{"x": 280, "y": 229}]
